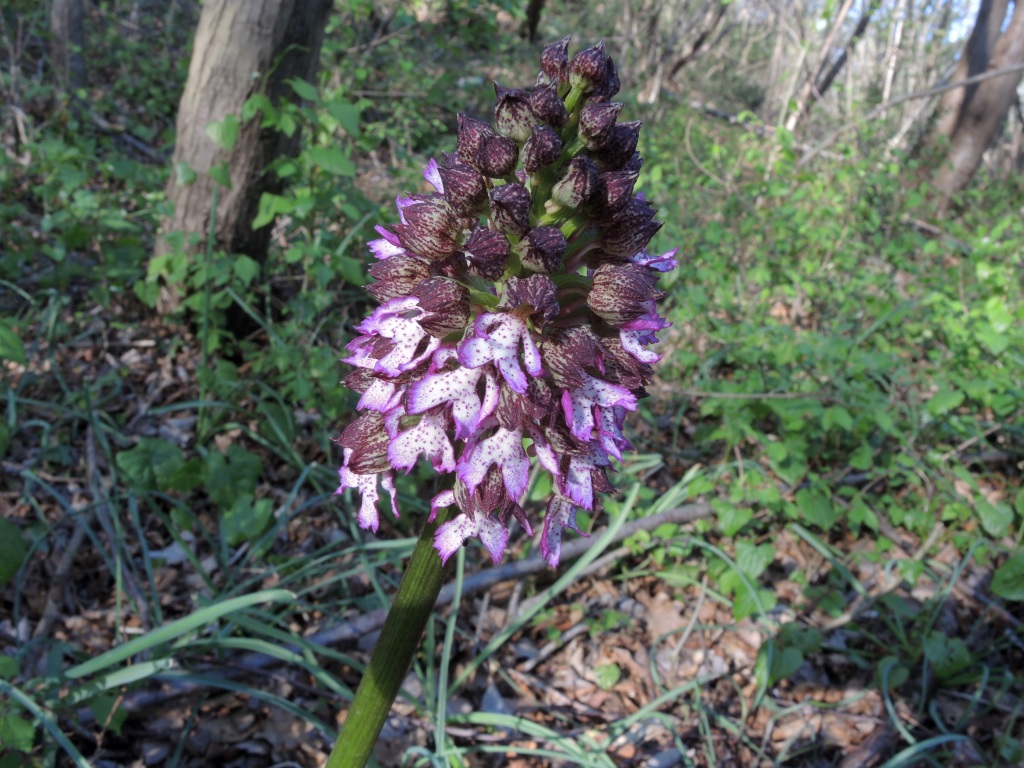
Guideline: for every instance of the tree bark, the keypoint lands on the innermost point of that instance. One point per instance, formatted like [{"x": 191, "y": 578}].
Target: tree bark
[
  {"x": 971, "y": 124},
  {"x": 67, "y": 41},
  {"x": 240, "y": 48}
]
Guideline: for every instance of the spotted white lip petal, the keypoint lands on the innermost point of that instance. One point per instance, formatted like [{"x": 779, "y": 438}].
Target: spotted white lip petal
[
  {"x": 428, "y": 437},
  {"x": 498, "y": 339},
  {"x": 504, "y": 448},
  {"x": 561, "y": 514},
  {"x": 579, "y": 404},
  {"x": 433, "y": 177},
  {"x": 443, "y": 499},
  {"x": 494, "y": 536},
  {"x": 453, "y": 534}
]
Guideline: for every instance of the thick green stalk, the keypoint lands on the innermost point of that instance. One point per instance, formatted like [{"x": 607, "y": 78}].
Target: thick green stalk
[{"x": 399, "y": 639}]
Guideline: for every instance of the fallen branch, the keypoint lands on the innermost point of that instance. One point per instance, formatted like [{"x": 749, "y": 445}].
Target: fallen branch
[{"x": 354, "y": 629}]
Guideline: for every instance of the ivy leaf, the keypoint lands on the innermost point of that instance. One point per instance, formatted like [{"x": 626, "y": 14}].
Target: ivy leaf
[
  {"x": 12, "y": 550},
  {"x": 1008, "y": 580},
  {"x": 11, "y": 346},
  {"x": 995, "y": 518},
  {"x": 151, "y": 464},
  {"x": 305, "y": 90},
  {"x": 944, "y": 401},
  {"x": 246, "y": 520},
  {"x": 224, "y": 132},
  {"x": 607, "y": 675},
  {"x": 332, "y": 160}
]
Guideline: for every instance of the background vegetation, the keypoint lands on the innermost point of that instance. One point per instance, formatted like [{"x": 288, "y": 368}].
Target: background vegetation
[{"x": 831, "y": 459}]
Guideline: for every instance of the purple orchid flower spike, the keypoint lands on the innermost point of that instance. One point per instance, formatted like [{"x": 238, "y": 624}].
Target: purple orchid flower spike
[{"x": 518, "y": 307}]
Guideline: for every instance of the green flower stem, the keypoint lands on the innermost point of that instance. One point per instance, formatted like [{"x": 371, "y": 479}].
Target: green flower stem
[{"x": 398, "y": 642}]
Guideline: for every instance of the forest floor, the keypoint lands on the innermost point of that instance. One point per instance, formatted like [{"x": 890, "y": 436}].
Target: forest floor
[{"x": 631, "y": 665}]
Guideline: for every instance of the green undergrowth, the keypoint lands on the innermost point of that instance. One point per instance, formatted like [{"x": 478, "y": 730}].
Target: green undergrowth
[{"x": 840, "y": 370}]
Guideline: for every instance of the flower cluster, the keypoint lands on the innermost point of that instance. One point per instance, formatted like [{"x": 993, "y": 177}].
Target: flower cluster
[{"x": 517, "y": 305}]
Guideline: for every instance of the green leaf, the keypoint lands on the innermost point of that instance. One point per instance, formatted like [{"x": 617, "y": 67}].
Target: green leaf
[
  {"x": 304, "y": 90},
  {"x": 16, "y": 733},
  {"x": 231, "y": 477},
  {"x": 8, "y": 667},
  {"x": 224, "y": 132},
  {"x": 607, "y": 675},
  {"x": 11, "y": 347},
  {"x": 12, "y": 550},
  {"x": 271, "y": 206},
  {"x": 753, "y": 559},
  {"x": 167, "y": 632},
  {"x": 944, "y": 401},
  {"x": 837, "y": 417},
  {"x": 221, "y": 175},
  {"x": 332, "y": 160},
  {"x": 105, "y": 709},
  {"x": 731, "y": 518},
  {"x": 246, "y": 520},
  {"x": 749, "y": 603},
  {"x": 1008, "y": 580},
  {"x": 947, "y": 655},
  {"x": 346, "y": 114},
  {"x": 183, "y": 174},
  {"x": 995, "y": 518},
  {"x": 862, "y": 458},
  {"x": 246, "y": 269},
  {"x": 151, "y": 464},
  {"x": 816, "y": 509}
]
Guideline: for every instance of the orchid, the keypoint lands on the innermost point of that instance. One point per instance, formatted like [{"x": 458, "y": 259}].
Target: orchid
[{"x": 518, "y": 305}]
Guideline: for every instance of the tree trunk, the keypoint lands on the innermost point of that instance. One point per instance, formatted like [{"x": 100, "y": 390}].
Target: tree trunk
[
  {"x": 240, "y": 48},
  {"x": 983, "y": 106},
  {"x": 534, "y": 8},
  {"x": 67, "y": 41}
]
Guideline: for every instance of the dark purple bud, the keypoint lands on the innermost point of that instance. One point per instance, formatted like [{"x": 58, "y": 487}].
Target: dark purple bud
[
  {"x": 368, "y": 440},
  {"x": 487, "y": 253},
  {"x": 597, "y": 122},
  {"x": 630, "y": 229},
  {"x": 578, "y": 184},
  {"x": 542, "y": 249},
  {"x": 622, "y": 292},
  {"x": 554, "y": 62},
  {"x": 359, "y": 380},
  {"x": 623, "y": 368},
  {"x": 587, "y": 68},
  {"x": 609, "y": 86},
  {"x": 567, "y": 353},
  {"x": 512, "y": 114},
  {"x": 497, "y": 157},
  {"x": 447, "y": 301},
  {"x": 396, "y": 276},
  {"x": 430, "y": 229},
  {"x": 542, "y": 148},
  {"x": 510, "y": 410},
  {"x": 472, "y": 133},
  {"x": 464, "y": 188},
  {"x": 619, "y": 148},
  {"x": 536, "y": 291},
  {"x": 614, "y": 190},
  {"x": 510, "y": 208},
  {"x": 547, "y": 106}
]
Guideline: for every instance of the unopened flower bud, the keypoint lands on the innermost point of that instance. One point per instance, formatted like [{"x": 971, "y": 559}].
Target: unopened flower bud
[
  {"x": 538, "y": 291},
  {"x": 554, "y": 62},
  {"x": 429, "y": 229},
  {"x": 542, "y": 148},
  {"x": 542, "y": 249},
  {"x": 620, "y": 147},
  {"x": 609, "y": 86},
  {"x": 510, "y": 208},
  {"x": 396, "y": 276},
  {"x": 464, "y": 188},
  {"x": 622, "y": 292},
  {"x": 512, "y": 114},
  {"x": 587, "y": 68},
  {"x": 631, "y": 229},
  {"x": 447, "y": 301},
  {"x": 369, "y": 442},
  {"x": 614, "y": 190},
  {"x": 578, "y": 184},
  {"x": 487, "y": 253},
  {"x": 497, "y": 157},
  {"x": 471, "y": 135},
  {"x": 547, "y": 106},
  {"x": 597, "y": 122}
]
